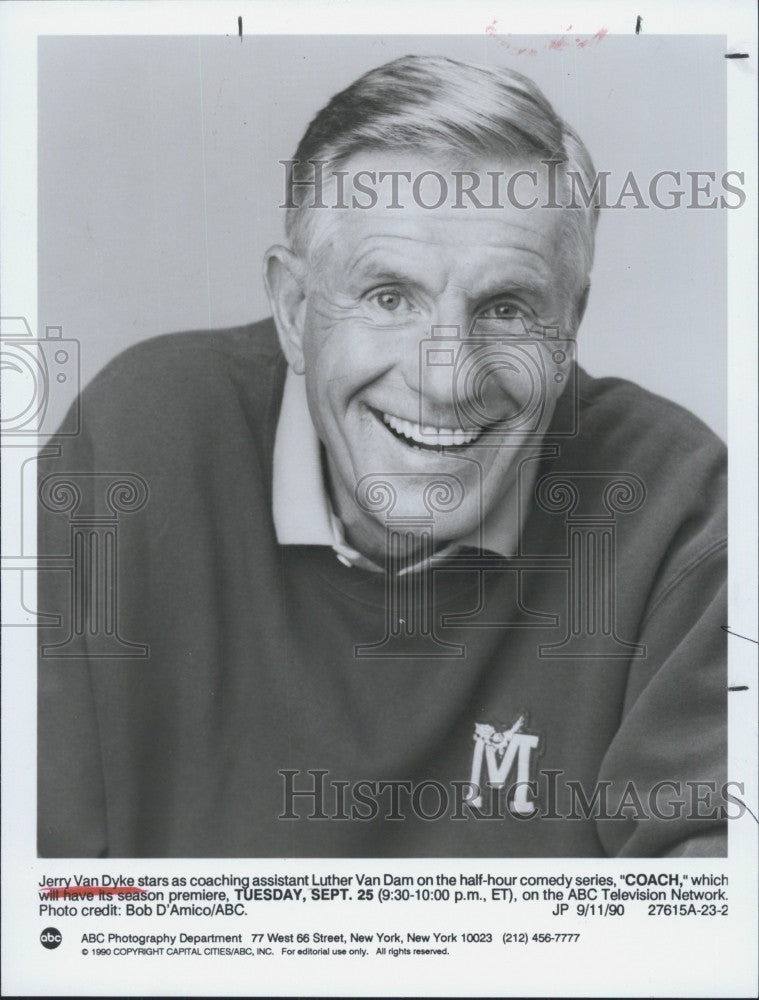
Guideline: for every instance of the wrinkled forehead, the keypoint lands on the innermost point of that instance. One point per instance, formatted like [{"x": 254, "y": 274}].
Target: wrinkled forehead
[
  {"x": 405, "y": 203},
  {"x": 413, "y": 193}
]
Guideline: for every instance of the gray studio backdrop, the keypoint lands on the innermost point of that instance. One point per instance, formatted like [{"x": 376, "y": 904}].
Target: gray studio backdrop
[{"x": 159, "y": 184}]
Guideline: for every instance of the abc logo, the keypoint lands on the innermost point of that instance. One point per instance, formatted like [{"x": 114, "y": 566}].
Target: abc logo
[{"x": 51, "y": 937}]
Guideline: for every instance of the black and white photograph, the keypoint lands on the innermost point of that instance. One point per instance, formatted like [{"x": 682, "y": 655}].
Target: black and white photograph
[
  {"x": 369, "y": 435},
  {"x": 387, "y": 572}
]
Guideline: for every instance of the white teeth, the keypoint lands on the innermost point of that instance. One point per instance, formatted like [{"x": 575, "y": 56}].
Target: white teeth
[{"x": 443, "y": 437}]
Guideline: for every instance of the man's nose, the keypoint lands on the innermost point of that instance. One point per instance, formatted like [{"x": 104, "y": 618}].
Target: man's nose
[
  {"x": 431, "y": 373},
  {"x": 466, "y": 382}
]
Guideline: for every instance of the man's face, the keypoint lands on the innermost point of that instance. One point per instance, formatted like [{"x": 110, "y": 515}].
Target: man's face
[{"x": 378, "y": 281}]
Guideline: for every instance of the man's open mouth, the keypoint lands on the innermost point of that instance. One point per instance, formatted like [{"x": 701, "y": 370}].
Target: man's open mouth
[{"x": 428, "y": 437}]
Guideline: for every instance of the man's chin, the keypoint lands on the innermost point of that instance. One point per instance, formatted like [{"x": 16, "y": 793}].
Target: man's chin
[{"x": 427, "y": 528}]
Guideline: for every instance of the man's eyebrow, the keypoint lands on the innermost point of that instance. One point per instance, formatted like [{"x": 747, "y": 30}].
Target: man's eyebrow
[
  {"x": 375, "y": 264},
  {"x": 386, "y": 276},
  {"x": 515, "y": 286},
  {"x": 379, "y": 269}
]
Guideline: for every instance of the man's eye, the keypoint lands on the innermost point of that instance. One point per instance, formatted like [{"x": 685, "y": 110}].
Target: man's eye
[
  {"x": 502, "y": 310},
  {"x": 388, "y": 299}
]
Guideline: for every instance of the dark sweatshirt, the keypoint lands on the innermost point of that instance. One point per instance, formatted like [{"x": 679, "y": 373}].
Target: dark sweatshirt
[{"x": 581, "y": 728}]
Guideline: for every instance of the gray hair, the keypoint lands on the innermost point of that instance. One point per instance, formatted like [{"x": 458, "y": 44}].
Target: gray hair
[{"x": 439, "y": 106}]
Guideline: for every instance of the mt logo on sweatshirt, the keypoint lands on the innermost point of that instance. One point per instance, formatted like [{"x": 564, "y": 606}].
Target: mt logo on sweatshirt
[{"x": 501, "y": 753}]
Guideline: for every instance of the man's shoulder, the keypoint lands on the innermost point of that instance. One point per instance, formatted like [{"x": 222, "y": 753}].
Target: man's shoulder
[
  {"x": 187, "y": 392},
  {"x": 679, "y": 462},
  {"x": 619, "y": 417},
  {"x": 194, "y": 369},
  {"x": 209, "y": 351}
]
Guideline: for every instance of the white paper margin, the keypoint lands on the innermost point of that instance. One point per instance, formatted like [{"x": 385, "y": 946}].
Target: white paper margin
[{"x": 685, "y": 958}]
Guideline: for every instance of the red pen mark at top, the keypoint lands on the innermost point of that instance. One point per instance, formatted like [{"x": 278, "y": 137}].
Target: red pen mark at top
[
  {"x": 554, "y": 44},
  {"x": 73, "y": 891},
  {"x": 599, "y": 36}
]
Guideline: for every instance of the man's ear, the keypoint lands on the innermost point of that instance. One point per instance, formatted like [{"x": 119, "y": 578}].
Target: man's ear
[{"x": 285, "y": 285}]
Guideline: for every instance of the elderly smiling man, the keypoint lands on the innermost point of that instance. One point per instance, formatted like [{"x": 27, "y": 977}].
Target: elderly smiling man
[{"x": 405, "y": 580}]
